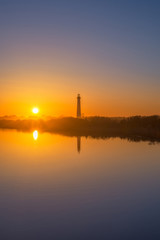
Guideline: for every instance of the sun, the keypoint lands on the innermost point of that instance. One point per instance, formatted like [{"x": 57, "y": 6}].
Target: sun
[{"x": 35, "y": 110}]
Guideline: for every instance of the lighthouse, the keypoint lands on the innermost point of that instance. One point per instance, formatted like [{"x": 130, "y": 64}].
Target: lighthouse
[{"x": 78, "y": 106}]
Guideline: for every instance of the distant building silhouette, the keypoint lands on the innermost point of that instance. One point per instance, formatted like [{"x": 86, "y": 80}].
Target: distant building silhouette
[{"x": 78, "y": 106}]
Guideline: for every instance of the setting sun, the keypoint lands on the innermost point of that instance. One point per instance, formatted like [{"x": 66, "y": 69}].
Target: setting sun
[{"x": 35, "y": 110}]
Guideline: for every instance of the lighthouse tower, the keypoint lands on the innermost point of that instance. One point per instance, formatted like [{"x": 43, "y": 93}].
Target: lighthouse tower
[{"x": 78, "y": 106}]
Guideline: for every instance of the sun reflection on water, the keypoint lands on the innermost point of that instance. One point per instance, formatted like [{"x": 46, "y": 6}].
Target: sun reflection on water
[{"x": 35, "y": 135}]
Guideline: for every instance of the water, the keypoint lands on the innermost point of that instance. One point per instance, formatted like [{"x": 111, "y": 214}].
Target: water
[{"x": 58, "y": 187}]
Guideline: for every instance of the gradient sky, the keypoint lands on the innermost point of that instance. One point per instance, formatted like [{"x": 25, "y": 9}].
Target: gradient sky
[{"x": 107, "y": 50}]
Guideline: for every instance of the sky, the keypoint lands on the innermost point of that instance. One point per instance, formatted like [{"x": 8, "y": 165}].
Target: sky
[{"x": 106, "y": 50}]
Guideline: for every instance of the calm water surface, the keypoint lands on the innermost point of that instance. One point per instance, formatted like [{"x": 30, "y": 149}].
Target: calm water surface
[{"x": 57, "y": 187}]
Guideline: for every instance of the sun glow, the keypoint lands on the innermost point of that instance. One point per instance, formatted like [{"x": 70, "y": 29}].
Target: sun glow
[
  {"x": 35, "y": 135},
  {"x": 35, "y": 110}
]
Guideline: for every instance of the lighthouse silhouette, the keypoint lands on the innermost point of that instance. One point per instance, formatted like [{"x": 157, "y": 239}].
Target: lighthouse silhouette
[{"x": 78, "y": 106}]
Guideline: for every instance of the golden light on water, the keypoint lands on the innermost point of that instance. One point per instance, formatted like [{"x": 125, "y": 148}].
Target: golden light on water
[
  {"x": 35, "y": 110},
  {"x": 35, "y": 135}
]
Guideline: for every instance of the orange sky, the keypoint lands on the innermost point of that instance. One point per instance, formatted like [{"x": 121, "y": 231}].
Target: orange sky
[{"x": 56, "y": 95}]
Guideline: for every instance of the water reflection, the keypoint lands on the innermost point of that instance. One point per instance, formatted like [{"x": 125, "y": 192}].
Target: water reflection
[
  {"x": 110, "y": 191},
  {"x": 78, "y": 144},
  {"x": 106, "y": 137},
  {"x": 35, "y": 135}
]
